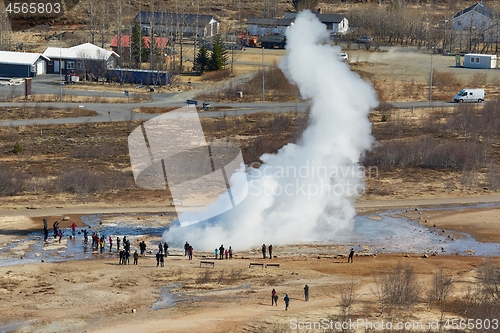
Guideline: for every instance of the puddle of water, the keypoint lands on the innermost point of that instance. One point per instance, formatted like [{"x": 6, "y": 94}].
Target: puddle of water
[
  {"x": 169, "y": 299},
  {"x": 386, "y": 233},
  {"x": 398, "y": 234}
]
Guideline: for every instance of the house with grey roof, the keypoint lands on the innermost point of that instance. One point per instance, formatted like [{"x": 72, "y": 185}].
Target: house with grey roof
[
  {"x": 22, "y": 64},
  {"x": 336, "y": 24},
  {"x": 266, "y": 26},
  {"x": 205, "y": 26},
  {"x": 477, "y": 16}
]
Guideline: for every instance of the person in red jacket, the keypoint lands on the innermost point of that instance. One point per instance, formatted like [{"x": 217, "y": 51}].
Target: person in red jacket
[{"x": 274, "y": 298}]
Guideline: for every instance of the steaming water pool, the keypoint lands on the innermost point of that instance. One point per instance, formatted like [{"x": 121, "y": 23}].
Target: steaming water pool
[{"x": 385, "y": 232}]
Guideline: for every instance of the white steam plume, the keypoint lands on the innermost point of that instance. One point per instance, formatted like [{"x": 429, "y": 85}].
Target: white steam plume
[{"x": 306, "y": 191}]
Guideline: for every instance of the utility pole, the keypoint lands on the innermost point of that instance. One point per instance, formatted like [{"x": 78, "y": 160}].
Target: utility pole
[
  {"x": 60, "y": 70},
  {"x": 263, "y": 74},
  {"x": 430, "y": 80}
]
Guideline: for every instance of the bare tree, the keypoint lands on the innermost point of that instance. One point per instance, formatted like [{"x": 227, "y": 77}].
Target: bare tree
[
  {"x": 5, "y": 29},
  {"x": 398, "y": 289}
]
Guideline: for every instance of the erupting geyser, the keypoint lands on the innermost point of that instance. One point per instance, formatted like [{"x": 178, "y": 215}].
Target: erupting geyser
[{"x": 306, "y": 191}]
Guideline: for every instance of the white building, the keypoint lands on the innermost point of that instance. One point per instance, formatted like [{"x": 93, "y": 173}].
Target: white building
[
  {"x": 85, "y": 57},
  {"x": 474, "y": 60}
]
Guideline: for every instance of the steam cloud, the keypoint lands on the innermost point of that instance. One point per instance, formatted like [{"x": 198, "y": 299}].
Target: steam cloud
[{"x": 306, "y": 191}]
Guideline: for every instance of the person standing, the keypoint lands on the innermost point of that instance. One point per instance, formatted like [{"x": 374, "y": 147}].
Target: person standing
[
  {"x": 306, "y": 292},
  {"x": 227, "y": 254},
  {"x": 186, "y": 248},
  {"x": 45, "y": 233},
  {"x": 127, "y": 257},
  {"x": 230, "y": 253},
  {"x": 165, "y": 248},
  {"x": 162, "y": 259},
  {"x": 122, "y": 257},
  {"x": 73, "y": 229},
  {"x": 56, "y": 227},
  {"x": 190, "y": 253},
  {"x": 117, "y": 243},
  {"x": 221, "y": 252},
  {"x": 274, "y": 298},
  {"x": 157, "y": 259},
  {"x": 160, "y": 247},
  {"x": 110, "y": 243},
  {"x": 216, "y": 253},
  {"x": 101, "y": 244},
  {"x": 270, "y": 248},
  {"x": 45, "y": 224},
  {"x": 264, "y": 251},
  {"x": 85, "y": 236},
  {"x": 136, "y": 257},
  {"x": 59, "y": 233},
  {"x": 351, "y": 255}
]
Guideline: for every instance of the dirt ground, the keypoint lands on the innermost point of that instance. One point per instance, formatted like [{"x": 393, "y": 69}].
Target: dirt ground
[{"x": 99, "y": 295}]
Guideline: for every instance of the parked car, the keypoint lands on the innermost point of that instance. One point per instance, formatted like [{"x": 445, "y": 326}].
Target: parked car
[{"x": 364, "y": 40}]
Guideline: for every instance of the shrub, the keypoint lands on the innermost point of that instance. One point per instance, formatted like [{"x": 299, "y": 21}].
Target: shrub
[
  {"x": 82, "y": 182},
  {"x": 444, "y": 80},
  {"x": 11, "y": 183},
  {"x": 398, "y": 289},
  {"x": 17, "y": 148}
]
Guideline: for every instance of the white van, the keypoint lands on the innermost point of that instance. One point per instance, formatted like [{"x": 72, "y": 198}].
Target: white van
[{"x": 469, "y": 95}]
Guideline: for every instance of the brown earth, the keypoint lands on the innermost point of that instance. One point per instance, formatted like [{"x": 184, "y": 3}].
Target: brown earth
[{"x": 99, "y": 295}]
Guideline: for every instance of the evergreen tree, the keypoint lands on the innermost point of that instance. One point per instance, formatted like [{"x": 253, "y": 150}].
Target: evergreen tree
[
  {"x": 138, "y": 46},
  {"x": 202, "y": 59},
  {"x": 218, "y": 58}
]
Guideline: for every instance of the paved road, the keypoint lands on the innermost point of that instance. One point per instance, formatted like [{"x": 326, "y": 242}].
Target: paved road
[{"x": 125, "y": 111}]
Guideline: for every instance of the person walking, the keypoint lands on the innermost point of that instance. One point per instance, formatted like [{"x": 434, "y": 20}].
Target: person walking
[
  {"x": 136, "y": 257},
  {"x": 287, "y": 301},
  {"x": 351, "y": 255},
  {"x": 270, "y": 248},
  {"x": 306, "y": 292},
  {"x": 264, "y": 251},
  {"x": 59, "y": 233},
  {"x": 274, "y": 298}
]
